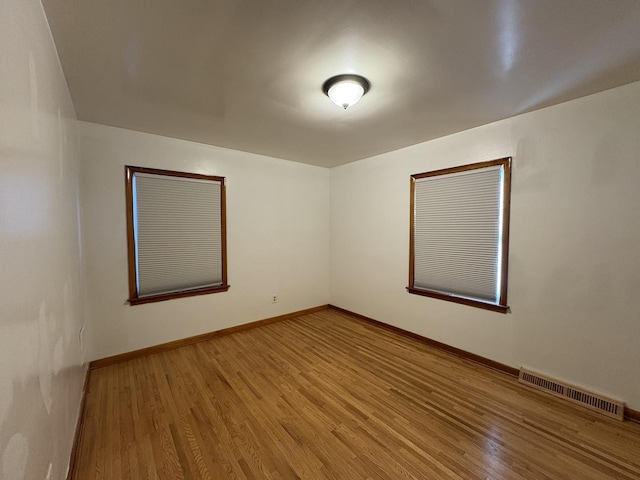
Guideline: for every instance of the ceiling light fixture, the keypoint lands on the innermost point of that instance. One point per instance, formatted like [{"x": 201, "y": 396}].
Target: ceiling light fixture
[{"x": 346, "y": 90}]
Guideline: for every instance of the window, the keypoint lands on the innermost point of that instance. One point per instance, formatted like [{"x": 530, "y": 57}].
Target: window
[
  {"x": 176, "y": 234},
  {"x": 459, "y": 234}
]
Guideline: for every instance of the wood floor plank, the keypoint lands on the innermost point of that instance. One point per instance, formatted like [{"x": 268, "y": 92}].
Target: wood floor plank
[{"x": 327, "y": 396}]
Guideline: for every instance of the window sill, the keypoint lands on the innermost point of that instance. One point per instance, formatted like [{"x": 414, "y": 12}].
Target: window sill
[
  {"x": 170, "y": 296},
  {"x": 462, "y": 300}
]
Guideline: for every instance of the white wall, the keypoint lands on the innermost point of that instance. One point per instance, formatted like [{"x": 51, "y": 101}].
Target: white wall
[
  {"x": 40, "y": 311},
  {"x": 574, "y": 266},
  {"x": 277, "y": 236}
]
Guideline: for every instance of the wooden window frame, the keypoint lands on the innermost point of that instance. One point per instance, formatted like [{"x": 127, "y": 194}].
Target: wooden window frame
[
  {"x": 134, "y": 298},
  {"x": 502, "y": 305}
]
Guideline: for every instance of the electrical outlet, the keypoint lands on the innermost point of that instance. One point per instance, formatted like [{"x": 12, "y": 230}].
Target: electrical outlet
[{"x": 274, "y": 299}]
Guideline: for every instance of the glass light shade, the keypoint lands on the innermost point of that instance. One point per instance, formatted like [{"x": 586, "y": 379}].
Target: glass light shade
[
  {"x": 346, "y": 93},
  {"x": 345, "y": 90}
]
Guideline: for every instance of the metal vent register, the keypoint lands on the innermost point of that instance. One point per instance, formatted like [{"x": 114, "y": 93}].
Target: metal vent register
[{"x": 580, "y": 396}]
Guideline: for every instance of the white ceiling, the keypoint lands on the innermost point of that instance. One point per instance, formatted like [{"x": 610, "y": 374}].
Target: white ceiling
[{"x": 248, "y": 74}]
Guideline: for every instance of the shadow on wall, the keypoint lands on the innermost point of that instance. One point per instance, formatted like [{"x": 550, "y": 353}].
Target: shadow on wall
[
  {"x": 24, "y": 454},
  {"x": 25, "y": 420},
  {"x": 606, "y": 160},
  {"x": 40, "y": 395},
  {"x": 530, "y": 175}
]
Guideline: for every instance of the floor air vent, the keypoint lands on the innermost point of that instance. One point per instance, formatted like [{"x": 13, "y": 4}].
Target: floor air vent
[{"x": 593, "y": 401}]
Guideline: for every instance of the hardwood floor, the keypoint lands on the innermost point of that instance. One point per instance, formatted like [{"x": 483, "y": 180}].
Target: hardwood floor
[{"x": 326, "y": 396}]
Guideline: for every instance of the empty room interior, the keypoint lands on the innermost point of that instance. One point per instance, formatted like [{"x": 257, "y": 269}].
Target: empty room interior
[{"x": 340, "y": 239}]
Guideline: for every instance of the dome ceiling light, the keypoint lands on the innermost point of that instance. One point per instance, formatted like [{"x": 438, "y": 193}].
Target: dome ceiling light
[{"x": 346, "y": 90}]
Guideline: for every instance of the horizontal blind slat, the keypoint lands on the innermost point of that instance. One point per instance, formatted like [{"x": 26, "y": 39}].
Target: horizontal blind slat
[
  {"x": 178, "y": 233},
  {"x": 456, "y": 232}
]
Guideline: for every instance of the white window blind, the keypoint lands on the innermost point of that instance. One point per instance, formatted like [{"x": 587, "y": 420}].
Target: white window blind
[
  {"x": 458, "y": 221},
  {"x": 178, "y": 233}
]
